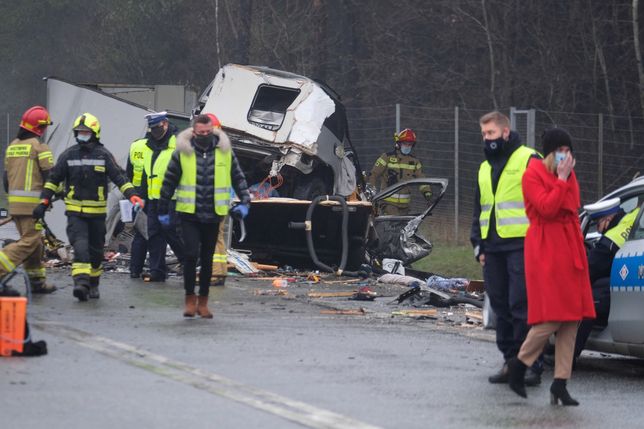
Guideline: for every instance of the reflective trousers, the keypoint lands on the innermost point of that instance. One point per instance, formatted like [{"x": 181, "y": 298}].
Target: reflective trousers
[
  {"x": 28, "y": 250},
  {"x": 87, "y": 237}
]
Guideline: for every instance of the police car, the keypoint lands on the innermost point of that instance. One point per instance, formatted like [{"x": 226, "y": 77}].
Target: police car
[{"x": 624, "y": 333}]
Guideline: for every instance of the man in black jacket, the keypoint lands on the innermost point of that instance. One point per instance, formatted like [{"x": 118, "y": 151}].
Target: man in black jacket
[
  {"x": 202, "y": 171},
  {"x": 499, "y": 226},
  {"x": 85, "y": 169}
]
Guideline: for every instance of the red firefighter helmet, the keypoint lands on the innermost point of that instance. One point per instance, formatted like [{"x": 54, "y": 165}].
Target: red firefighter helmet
[
  {"x": 35, "y": 120},
  {"x": 405, "y": 136},
  {"x": 214, "y": 119}
]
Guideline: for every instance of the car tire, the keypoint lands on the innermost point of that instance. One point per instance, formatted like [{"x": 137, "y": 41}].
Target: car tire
[{"x": 308, "y": 188}]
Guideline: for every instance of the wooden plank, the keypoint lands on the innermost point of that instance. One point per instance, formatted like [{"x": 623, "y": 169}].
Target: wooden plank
[
  {"x": 329, "y": 294},
  {"x": 430, "y": 312}
]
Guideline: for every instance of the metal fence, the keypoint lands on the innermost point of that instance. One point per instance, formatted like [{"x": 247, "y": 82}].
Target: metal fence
[{"x": 609, "y": 150}]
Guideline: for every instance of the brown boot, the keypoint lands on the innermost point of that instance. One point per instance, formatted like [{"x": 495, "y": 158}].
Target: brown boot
[
  {"x": 202, "y": 307},
  {"x": 191, "y": 306}
]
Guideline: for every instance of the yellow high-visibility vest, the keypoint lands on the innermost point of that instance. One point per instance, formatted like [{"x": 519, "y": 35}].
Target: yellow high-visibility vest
[
  {"x": 619, "y": 233},
  {"x": 187, "y": 190},
  {"x": 509, "y": 209},
  {"x": 154, "y": 173}
]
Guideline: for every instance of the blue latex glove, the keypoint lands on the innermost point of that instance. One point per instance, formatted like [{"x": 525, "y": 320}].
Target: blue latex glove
[
  {"x": 239, "y": 212},
  {"x": 164, "y": 219}
]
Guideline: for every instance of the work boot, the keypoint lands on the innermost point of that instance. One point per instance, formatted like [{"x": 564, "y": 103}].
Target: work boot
[
  {"x": 218, "y": 281},
  {"x": 191, "y": 306},
  {"x": 500, "y": 377},
  {"x": 93, "y": 288},
  {"x": 41, "y": 287},
  {"x": 81, "y": 292},
  {"x": 202, "y": 307}
]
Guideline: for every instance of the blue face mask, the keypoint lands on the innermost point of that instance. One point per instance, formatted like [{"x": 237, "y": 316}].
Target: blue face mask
[
  {"x": 83, "y": 138},
  {"x": 405, "y": 150},
  {"x": 559, "y": 156}
]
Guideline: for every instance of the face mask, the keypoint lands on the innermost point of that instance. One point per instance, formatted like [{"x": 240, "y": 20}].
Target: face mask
[
  {"x": 202, "y": 140},
  {"x": 157, "y": 132},
  {"x": 494, "y": 146},
  {"x": 405, "y": 150},
  {"x": 83, "y": 138},
  {"x": 559, "y": 156}
]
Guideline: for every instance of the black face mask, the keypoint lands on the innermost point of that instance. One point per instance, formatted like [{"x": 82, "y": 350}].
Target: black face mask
[
  {"x": 157, "y": 132},
  {"x": 495, "y": 146},
  {"x": 203, "y": 140}
]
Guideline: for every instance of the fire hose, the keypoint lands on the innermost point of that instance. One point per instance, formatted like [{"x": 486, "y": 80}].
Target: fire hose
[{"x": 307, "y": 226}]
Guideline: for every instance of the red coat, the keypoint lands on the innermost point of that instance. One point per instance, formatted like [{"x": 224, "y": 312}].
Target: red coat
[{"x": 556, "y": 268}]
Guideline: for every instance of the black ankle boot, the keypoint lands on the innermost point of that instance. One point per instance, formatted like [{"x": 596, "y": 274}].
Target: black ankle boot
[
  {"x": 558, "y": 392},
  {"x": 516, "y": 376}
]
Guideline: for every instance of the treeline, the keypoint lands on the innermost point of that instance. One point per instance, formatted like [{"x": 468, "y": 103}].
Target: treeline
[{"x": 553, "y": 55}]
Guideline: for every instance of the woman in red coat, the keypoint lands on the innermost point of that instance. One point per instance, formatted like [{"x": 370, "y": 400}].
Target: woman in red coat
[{"x": 556, "y": 268}]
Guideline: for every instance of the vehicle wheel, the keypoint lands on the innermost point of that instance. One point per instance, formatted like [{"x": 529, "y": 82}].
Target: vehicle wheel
[{"x": 308, "y": 188}]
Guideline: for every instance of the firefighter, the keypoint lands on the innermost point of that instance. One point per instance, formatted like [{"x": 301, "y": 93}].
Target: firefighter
[
  {"x": 396, "y": 166},
  {"x": 27, "y": 163},
  {"x": 85, "y": 169},
  {"x": 146, "y": 168},
  {"x": 202, "y": 171}
]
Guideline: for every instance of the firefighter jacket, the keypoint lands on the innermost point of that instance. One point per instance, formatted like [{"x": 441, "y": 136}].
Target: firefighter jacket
[
  {"x": 25, "y": 162},
  {"x": 148, "y": 162},
  {"x": 85, "y": 169},
  {"x": 202, "y": 178},
  {"x": 393, "y": 167}
]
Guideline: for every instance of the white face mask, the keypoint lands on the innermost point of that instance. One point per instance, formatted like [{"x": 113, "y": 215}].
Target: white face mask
[
  {"x": 559, "y": 156},
  {"x": 83, "y": 137},
  {"x": 405, "y": 150}
]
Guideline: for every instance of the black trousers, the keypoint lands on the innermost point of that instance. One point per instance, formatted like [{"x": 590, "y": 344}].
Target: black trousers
[
  {"x": 160, "y": 236},
  {"x": 601, "y": 298},
  {"x": 203, "y": 239},
  {"x": 138, "y": 251},
  {"x": 87, "y": 237},
  {"x": 504, "y": 274}
]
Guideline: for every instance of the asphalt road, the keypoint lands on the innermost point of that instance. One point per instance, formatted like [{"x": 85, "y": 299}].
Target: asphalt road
[{"x": 130, "y": 360}]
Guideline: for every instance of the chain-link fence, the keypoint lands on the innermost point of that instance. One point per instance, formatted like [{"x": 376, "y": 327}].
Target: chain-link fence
[{"x": 608, "y": 149}]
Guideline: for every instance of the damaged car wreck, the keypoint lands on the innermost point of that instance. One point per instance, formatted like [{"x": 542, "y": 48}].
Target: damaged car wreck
[{"x": 291, "y": 136}]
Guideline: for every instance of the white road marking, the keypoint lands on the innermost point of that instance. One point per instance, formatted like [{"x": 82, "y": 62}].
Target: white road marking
[{"x": 296, "y": 411}]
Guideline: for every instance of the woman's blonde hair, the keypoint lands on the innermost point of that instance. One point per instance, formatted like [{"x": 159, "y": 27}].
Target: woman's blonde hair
[{"x": 549, "y": 162}]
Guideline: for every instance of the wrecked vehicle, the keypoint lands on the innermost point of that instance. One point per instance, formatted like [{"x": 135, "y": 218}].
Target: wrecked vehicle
[
  {"x": 291, "y": 136},
  {"x": 286, "y": 127}
]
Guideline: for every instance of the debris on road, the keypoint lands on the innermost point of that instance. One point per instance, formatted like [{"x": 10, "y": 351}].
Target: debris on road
[
  {"x": 349, "y": 312},
  {"x": 430, "y": 313}
]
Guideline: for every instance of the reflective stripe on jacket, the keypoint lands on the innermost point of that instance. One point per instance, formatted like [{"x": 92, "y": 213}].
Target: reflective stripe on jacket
[
  {"x": 508, "y": 205},
  {"x": 24, "y": 162},
  {"x": 85, "y": 170}
]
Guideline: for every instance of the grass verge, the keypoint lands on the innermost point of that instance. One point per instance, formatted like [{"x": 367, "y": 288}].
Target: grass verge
[{"x": 450, "y": 260}]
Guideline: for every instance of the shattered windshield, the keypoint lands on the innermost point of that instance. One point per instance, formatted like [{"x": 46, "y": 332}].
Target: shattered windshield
[{"x": 269, "y": 106}]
